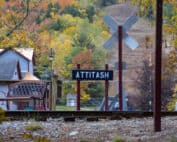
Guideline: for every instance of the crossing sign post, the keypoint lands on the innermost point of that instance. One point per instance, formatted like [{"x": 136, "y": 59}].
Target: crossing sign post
[{"x": 119, "y": 35}]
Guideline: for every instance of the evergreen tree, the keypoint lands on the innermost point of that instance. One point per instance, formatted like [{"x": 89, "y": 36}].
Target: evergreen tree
[{"x": 145, "y": 85}]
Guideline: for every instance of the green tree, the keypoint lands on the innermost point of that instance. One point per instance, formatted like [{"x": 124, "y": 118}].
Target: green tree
[
  {"x": 73, "y": 10},
  {"x": 146, "y": 8},
  {"x": 95, "y": 89},
  {"x": 52, "y": 8},
  {"x": 103, "y": 3},
  {"x": 90, "y": 10}
]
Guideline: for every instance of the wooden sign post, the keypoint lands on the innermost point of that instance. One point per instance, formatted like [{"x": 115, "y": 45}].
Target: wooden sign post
[{"x": 84, "y": 75}]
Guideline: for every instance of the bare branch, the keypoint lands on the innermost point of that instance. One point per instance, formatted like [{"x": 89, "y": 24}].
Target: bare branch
[{"x": 22, "y": 20}]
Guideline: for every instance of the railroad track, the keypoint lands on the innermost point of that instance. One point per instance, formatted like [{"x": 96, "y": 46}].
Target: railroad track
[{"x": 87, "y": 115}]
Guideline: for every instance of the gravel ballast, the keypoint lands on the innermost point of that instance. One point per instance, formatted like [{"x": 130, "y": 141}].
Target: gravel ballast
[{"x": 56, "y": 130}]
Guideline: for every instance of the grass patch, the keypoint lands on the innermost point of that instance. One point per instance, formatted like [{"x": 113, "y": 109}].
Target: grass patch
[
  {"x": 34, "y": 127},
  {"x": 64, "y": 108},
  {"x": 118, "y": 139},
  {"x": 67, "y": 108},
  {"x": 36, "y": 138}
]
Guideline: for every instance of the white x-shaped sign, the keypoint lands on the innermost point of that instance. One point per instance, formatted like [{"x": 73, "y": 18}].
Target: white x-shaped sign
[{"x": 127, "y": 39}]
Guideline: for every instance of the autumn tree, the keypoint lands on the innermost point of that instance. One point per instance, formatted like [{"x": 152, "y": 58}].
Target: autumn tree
[
  {"x": 12, "y": 17},
  {"x": 86, "y": 48},
  {"x": 66, "y": 3},
  {"x": 170, "y": 31},
  {"x": 147, "y": 9},
  {"x": 170, "y": 37}
]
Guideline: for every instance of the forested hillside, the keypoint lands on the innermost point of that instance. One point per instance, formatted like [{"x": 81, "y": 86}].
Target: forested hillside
[
  {"x": 71, "y": 28},
  {"x": 74, "y": 31}
]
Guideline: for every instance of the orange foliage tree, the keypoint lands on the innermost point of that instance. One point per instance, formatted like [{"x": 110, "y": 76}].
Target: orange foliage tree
[
  {"x": 84, "y": 58},
  {"x": 65, "y": 3}
]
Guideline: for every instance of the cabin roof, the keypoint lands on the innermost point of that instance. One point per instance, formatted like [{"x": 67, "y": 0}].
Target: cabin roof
[
  {"x": 7, "y": 69},
  {"x": 26, "y": 53}
]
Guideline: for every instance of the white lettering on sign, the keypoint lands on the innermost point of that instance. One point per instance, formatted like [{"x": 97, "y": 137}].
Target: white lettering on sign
[
  {"x": 97, "y": 75},
  {"x": 107, "y": 75},
  {"x": 77, "y": 75},
  {"x": 92, "y": 75}
]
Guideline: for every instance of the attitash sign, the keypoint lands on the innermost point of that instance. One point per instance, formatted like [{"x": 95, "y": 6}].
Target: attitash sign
[{"x": 92, "y": 74}]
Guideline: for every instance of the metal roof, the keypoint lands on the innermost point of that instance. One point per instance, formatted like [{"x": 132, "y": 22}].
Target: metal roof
[
  {"x": 7, "y": 69},
  {"x": 27, "y": 53}
]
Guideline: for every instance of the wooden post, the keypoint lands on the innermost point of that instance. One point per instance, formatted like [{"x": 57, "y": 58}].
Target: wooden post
[
  {"x": 106, "y": 91},
  {"x": 7, "y": 105},
  {"x": 78, "y": 91},
  {"x": 50, "y": 96},
  {"x": 54, "y": 91},
  {"x": 120, "y": 66},
  {"x": 34, "y": 104}
]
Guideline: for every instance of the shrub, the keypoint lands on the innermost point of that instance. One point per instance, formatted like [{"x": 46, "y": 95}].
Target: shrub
[{"x": 2, "y": 115}]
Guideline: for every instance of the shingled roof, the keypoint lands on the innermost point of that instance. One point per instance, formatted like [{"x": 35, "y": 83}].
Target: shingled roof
[{"x": 7, "y": 69}]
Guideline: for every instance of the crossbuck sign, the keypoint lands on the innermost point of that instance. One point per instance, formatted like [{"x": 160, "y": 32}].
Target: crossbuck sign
[{"x": 127, "y": 39}]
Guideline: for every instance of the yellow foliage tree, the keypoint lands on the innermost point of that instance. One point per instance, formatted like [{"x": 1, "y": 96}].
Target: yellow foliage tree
[
  {"x": 171, "y": 105},
  {"x": 2, "y": 2},
  {"x": 62, "y": 48}
]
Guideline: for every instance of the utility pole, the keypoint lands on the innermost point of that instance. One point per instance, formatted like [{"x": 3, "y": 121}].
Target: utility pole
[{"x": 158, "y": 68}]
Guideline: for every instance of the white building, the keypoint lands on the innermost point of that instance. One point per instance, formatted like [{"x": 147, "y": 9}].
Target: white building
[
  {"x": 9, "y": 70},
  {"x": 15, "y": 64},
  {"x": 25, "y": 57}
]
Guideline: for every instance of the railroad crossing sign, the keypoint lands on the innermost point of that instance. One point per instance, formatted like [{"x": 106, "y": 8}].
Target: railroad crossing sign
[{"x": 127, "y": 39}]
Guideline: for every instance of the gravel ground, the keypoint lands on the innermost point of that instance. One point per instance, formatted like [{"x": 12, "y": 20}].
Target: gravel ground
[{"x": 56, "y": 130}]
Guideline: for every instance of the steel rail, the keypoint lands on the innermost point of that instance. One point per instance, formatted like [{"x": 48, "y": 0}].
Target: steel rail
[{"x": 87, "y": 115}]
